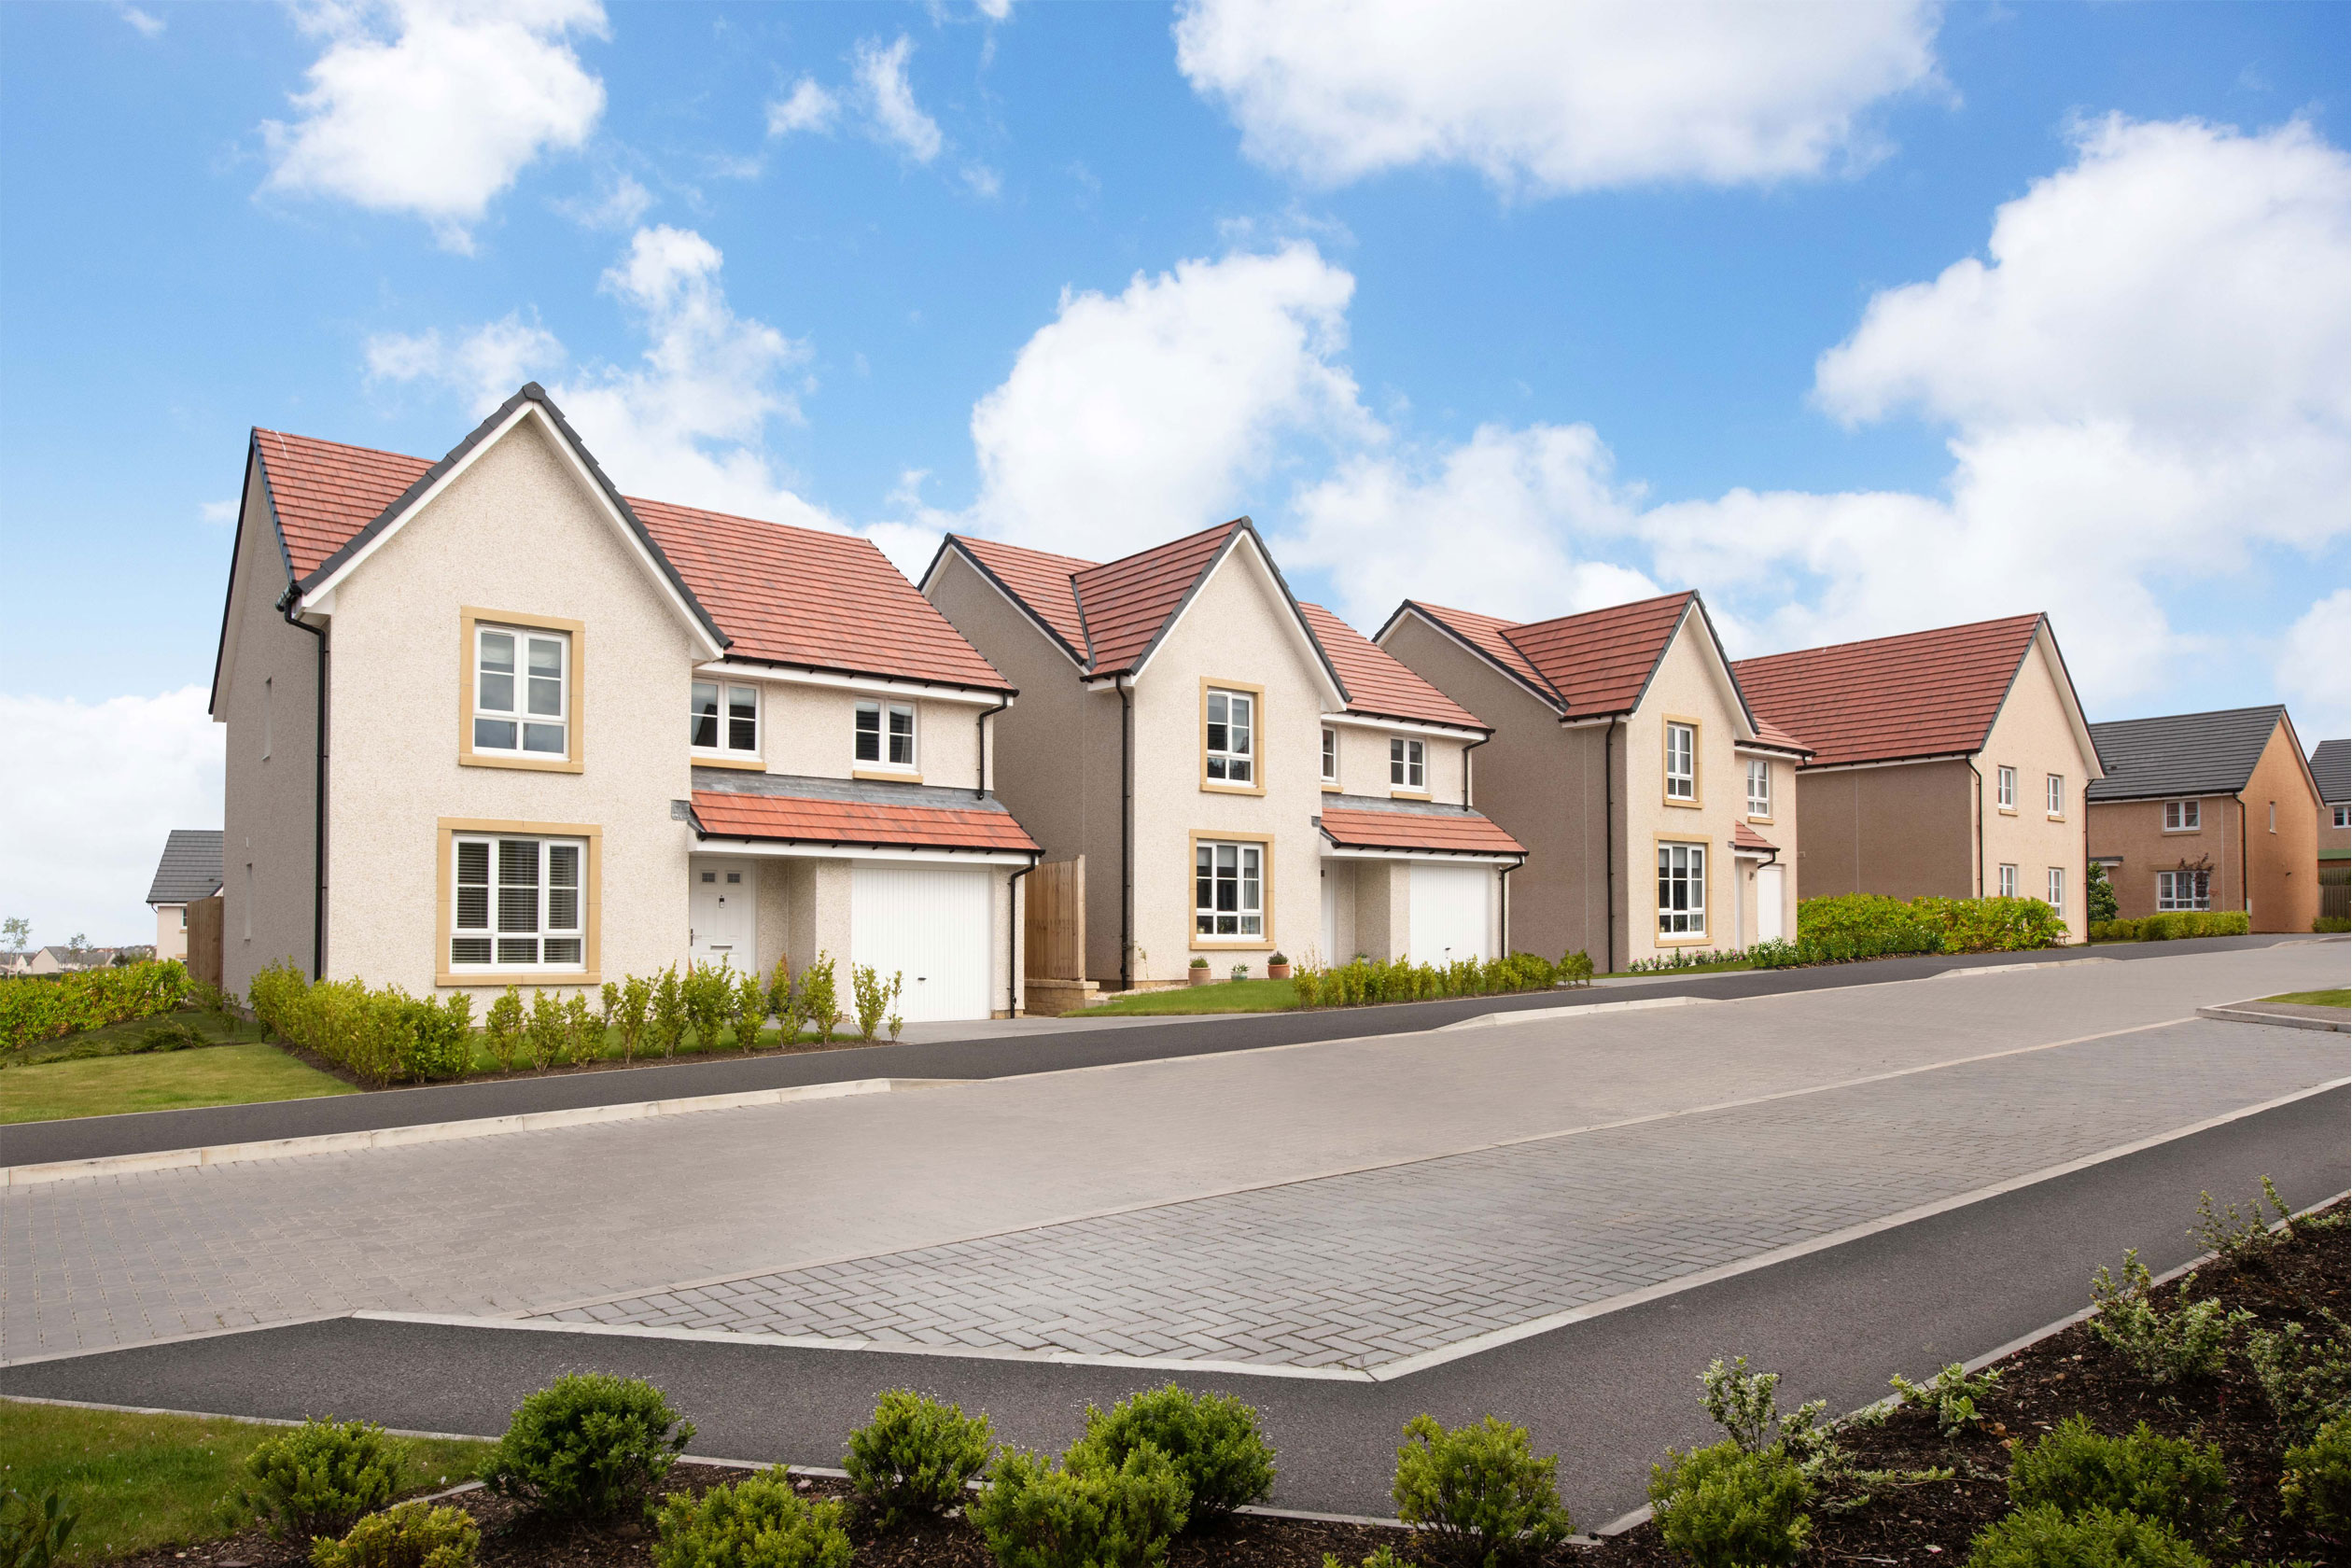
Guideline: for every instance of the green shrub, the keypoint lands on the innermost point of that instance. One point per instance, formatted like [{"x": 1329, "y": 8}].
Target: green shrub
[
  {"x": 2179, "y": 1484},
  {"x": 2192, "y": 922},
  {"x": 1034, "y": 1514},
  {"x": 783, "y": 1001},
  {"x": 749, "y": 1012},
  {"x": 1367, "y": 981},
  {"x": 2192, "y": 1340},
  {"x": 440, "y": 1040},
  {"x": 584, "y": 1031},
  {"x": 669, "y": 1017},
  {"x": 319, "y": 1477},
  {"x": 2302, "y": 1375},
  {"x": 2314, "y": 1489},
  {"x": 820, "y": 1003},
  {"x": 872, "y": 998},
  {"x": 1865, "y": 925},
  {"x": 1746, "y": 1405},
  {"x": 757, "y": 1522},
  {"x": 2336, "y": 924},
  {"x": 502, "y": 1028},
  {"x": 709, "y": 997},
  {"x": 915, "y": 1456},
  {"x": 1211, "y": 1438},
  {"x": 2245, "y": 1238},
  {"x": 411, "y": 1536},
  {"x": 626, "y": 1009},
  {"x": 1950, "y": 1393},
  {"x": 545, "y": 1031},
  {"x": 1726, "y": 1506},
  {"x": 2115, "y": 931},
  {"x": 1575, "y": 968},
  {"x": 2043, "y": 1537},
  {"x": 381, "y": 1034},
  {"x": 32, "y": 1535},
  {"x": 1478, "y": 1495},
  {"x": 2098, "y": 894},
  {"x": 1992, "y": 925},
  {"x": 34, "y": 1008},
  {"x": 587, "y": 1445},
  {"x": 272, "y": 990}
]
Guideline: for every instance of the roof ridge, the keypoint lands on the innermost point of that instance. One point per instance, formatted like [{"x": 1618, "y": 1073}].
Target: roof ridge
[
  {"x": 2198, "y": 713},
  {"x": 1898, "y": 637}
]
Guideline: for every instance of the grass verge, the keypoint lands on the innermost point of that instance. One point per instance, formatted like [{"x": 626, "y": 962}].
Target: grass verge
[
  {"x": 1225, "y": 996},
  {"x": 139, "y": 1482},
  {"x": 171, "y": 1032},
  {"x": 2340, "y": 996},
  {"x": 172, "y": 1080}
]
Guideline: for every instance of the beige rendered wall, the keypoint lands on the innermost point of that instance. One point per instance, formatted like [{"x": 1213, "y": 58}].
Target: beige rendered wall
[
  {"x": 2034, "y": 735},
  {"x": 269, "y": 703},
  {"x": 812, "y": 731},
  {"x": 1364, "y": 763},
  {"x": 170, "y": 935},
  {"x": 2282, "y": 841},
  {"x": 2135, "y": 830},
  {"x": 1906, "y": 832}
]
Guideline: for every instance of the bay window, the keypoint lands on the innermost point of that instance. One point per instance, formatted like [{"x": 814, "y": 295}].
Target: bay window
[
  {"x": 1229, "y": 889},
  {"x": 1681, "y": 889}
]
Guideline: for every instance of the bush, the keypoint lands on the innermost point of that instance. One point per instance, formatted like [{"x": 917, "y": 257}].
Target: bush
[
  {"x": 319, "y": 1477},
  {"x": 668, "y": 1015},
  {"x": 2338, "y": 924},
  {"x": 1865, "y": 926},
  {"x": 1366, "y": 981},
  {"x": 2176, "y": 1484},
  {"x": 872, "y": 998},
  {"x": 820, "y": 1002},
  {"x": 1746, "y": 1405},
  {"x": 626, "y": 1008},
  {"x": 2314, "y": 1489},
  {"x": 915, "y": 1456},
  {"x": 32, "y": 1535},
  {"x": 1727, "y": 1507},
  {"x": 707, "y": 995},
  {"x": 1034, "y": 1514},
  {"x": 2191, "y": 922},
  {"x": 757, "y": 1522},
  {"x": 1211, "y": 1438},
  {"x": 2192, "y": 1340},
  {"x": 412, "y": 1535},
  {"x": 502, "y": 1028},
  {"x": 1950, "y": 1393},
  {"x": 587, "y": 1445},
  {"x": 2098, "y": 894},
  {"x": 34, "y": 1008},
  {"x": 383, "y": 1034},
  {"x": 2302, "y": 1375},
  {"x": 1478, "y": 1495},
  {"x": 583, "y": 1032},
  {"x": 544, "y": 1033},
  {"x": 1992, "y": 925},
  {"x": 1855, "y": 926},
  {"x": 2247, "y": 1238},
  {"x": 2115, "y": 931},
  {"x": 749, "y": 1012},
  {"x": 2043, "y": 1537}
]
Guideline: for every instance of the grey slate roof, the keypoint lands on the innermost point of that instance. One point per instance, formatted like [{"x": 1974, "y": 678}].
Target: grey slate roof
[
  {"x": 2332, "y": 769},
  {"x": 2182, "y": 753},
  {"x": 871, "y": 791},
  {"x": 191, "y": 867}
]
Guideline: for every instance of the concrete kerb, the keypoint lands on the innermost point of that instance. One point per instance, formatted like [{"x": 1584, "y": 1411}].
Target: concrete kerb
[
  {"x": 2280, "y": 1015},
  {"x": 1554, "y": 1015}
]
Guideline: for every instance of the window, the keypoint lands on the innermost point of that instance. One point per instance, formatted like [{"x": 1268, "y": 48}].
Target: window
[
  {"x": 2004, "y": 788},
  {"x": 267, "y": 703},
  {"x": 2184, "y": 890},
  {"x": 248, "y": 912},
  {"x": 1759, "y": 787},
  {"x": 886, "y": 735},
  {"x": 740, "y": 731},
  {"x": 1681, "y": 761},
  {"x": 517, "y": 903},
  {"x": 2008, "y": 881},
  {"x": 2274, "y": 817},
  {"x": 183, "y": 915},
  {"x": 520, "y": 696},
  {"x": 1232, "y": 716},
  {"x": 2058, "y": 889},
  {"x": 1228, "y": 890},
  {"x": 1681, "y": 889},
  {"x": 2343, "y": 817},
  {"x": 1330, "y": 755},
  {"x": 1409, "y": 763},
  {"x": 2181, "y": 816},
  {"x": 2054, "y": 794}
]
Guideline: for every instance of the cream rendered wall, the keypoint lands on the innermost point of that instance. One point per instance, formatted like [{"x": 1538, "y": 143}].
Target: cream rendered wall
[
  {"x": 171, "y": 930},
  {"x": 516, "y": 533},
  {"x": 812, "y": 731},
  {"x": 2033, "y": 735},
  {"x": 1364, "y": 763},
  {"x": 1342, "y": 876}
]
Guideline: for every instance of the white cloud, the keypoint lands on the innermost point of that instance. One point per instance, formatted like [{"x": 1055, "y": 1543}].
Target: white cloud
[
  {"x": 2315, "y": 670},
  {"x": 619, "y": 206},
  {"x": 92, "y": 791},
  {"x": 995, "y": 11},
  {"x": 434, "y": 106},
  {"x": 809, "y": 108},
  {"x": 982, "y": 181},
  {"x": 147, "y": 25},
  {"x": 483, "y": 366},
  {"x": 889, "y": 98},
  {"x": 222, "y": 513},
  {"x": 1543, "y": 95}
]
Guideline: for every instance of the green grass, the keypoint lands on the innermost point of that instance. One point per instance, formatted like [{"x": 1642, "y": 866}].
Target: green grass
[
  {"x": 166, "y": 1081},
  {"x": 144, "y": 1481},
  {"x": 131, "y": 1036},
  {"x": 2340, "y": 996},
  {"x": 1225, "y": 996}
]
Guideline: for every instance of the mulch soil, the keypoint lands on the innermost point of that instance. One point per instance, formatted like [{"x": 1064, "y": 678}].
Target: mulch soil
[{"x": 2069, "y": 1373}]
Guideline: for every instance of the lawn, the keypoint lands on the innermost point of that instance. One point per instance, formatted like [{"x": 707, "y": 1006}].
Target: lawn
[
  {"x": 2340, "y": 996},
  {"x": 172, "y": 1032},
  {"x": 1223, "y": 996},
  {"x": 143, "y": 1481},
  {"x": 164, "y": 1080}
]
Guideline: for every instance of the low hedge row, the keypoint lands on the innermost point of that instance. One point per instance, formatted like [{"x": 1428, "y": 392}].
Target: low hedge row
[
  {"x": 382, "y": 1034},
  {"x": 34, "y": 1008},
  {"x": 1853, "y": 926},
  {"x": 2169, "y": 928},
  {"x": 1366, "y": 981}
]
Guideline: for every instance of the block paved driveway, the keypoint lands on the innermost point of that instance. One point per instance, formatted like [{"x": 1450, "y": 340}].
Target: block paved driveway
[{"x": 1341, "y": 1204}]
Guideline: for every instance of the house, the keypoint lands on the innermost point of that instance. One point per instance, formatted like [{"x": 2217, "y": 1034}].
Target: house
[
  {"x": 491, "y": 722},
  {"x": 1242, "y": 774},
  {"x": 1654, "y": 804},
  {"x": 2332, "y": 770},
  {"x": 1949, "y": 764},
  {"x": 59, "y": 960},
  {"x": 2208, "y": 811},
  {"x": 188, "y": 870}
]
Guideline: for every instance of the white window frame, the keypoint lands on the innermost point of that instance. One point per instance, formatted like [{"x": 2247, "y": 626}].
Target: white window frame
[
  {"x": 886, "y": 733},
  {"x": 524, "y": 678},
  {"x": 1409, "y": 763},
  {"x": 2343, "y": 817},
  {"x": 2179, "y": 891},
  {"x": 2184, "y": 816},
  {"x": 2005, "y": 788},
  {"x": 1245, "y": 876},
  {"x": 2006, "y": 880},
  {"x": 1330, "y": 755},
  {"x": 724, "y": 695},
  {"x": 2054, "y": 795},
  {"x": 496, "y": 919},
  {"x": 2057, "y": 898},
  {"x": 1682, "y": 869},
  {"x": 1687, "y": 754},
  {"x": 1227, "y": 764},
  {"x": 1759, "y": 788}
]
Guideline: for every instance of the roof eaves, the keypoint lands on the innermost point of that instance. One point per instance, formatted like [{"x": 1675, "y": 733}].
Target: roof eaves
[
  {"x": 1012, "y": 598},
  {"x": 1657, "y": 662},
  {"x": 1730, "y": 674},
  {"x": 1298, "y": 616},
  {"x": 1135, "y": 665},
  {"x": 1544, "y": 695},
  {"x": 899, "y": 676}
]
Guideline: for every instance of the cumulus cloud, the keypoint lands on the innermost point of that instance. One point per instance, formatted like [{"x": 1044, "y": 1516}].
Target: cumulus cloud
[
  {"x": 147, "y": 25},
  {"x": 432, "y": 107},
  {"x": 889, "y": 98},
  {"x": 807, "y": 107},
  {"x": 220, "y": 512},
  {"x": 94, "y": 789},
  {"x": 619, "y": 204},
  {"x": 2315, "y": 669},
  {"x": 1546, "y": 96},
  {"x": 483, "y": 366}
]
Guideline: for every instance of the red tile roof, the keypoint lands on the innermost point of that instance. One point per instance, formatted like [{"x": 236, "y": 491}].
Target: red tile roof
[
  {"x": 1745, "y": 837},
  {"x": 1491, "y": 635},
  {"x": 326, "y": 492},
  {"x": 1597, "y": 663},
  {"x": 1464, "y": 832},
  {"x": 803, "y": 820},
  {"x": 1128, "y": 600},
  {"x": 1920, "y": 694},
  {"x": 1040, "y": 579},
  {"x": 1378, "y": 685}
]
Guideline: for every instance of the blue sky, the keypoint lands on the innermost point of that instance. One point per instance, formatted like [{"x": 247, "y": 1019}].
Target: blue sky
[{"x": 1531, "y": 313}]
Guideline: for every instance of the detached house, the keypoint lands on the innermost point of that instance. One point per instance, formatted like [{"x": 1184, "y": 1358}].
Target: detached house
[
  {"x": 2332, "y": 770},
  {"x": 1949, "y": 764},
  {"x": 188, "y": 873},
  {"x": 1241, "y": 773},
  {"x": 2208, "y": 811},
  {"x": 489, "y": 722},
  {"x": 1655, "y": 804}
]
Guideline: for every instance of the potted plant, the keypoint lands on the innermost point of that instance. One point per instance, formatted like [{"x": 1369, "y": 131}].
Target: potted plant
[
  {"x": 1199, "y": 974},
  {"x": 1278, "y": 967},
  {"x": 1241, "y": 971}
]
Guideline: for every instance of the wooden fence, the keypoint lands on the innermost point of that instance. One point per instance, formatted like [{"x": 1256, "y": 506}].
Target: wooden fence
[{"x": 1054, "y": 921}]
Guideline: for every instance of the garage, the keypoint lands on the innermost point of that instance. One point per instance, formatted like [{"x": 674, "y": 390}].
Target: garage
[
  {"x": 1449, "y": 912},
  {"x": 929, "y": 924}
]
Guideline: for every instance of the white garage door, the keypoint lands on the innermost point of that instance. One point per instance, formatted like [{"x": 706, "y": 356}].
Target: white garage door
[
  {"x": 929, "y": 924},
  {"x": 1449, "y": 915}
]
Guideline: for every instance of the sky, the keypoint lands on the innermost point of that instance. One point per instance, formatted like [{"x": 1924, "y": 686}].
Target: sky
[{"x": 1856, "y": 319}]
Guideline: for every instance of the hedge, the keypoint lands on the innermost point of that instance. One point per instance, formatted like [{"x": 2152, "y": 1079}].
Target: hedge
[
  {"x": 1375, "y": 980},
  {"x": 384, "y": 1035},
  {"x": 2169, "y": 928},
  {"x": 1854, "y": 926},
  {"x": 34, "y": 1008}
]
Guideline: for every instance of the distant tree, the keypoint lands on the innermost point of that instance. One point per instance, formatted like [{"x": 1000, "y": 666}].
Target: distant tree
[
  {"x": 77, "y": 943},
  {"x": 2098, "y": 893},
  {"x": 17, "y": 931}
]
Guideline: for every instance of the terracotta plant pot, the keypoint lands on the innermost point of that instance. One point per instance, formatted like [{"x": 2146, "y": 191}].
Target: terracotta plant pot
[
  {"x": 1199, "y": 974},
  {"x": 1278, "y": 971}
]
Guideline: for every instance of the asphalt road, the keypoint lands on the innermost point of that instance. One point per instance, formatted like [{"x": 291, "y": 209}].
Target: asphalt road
[
  {"x": 1607, "y": 1395},
  {"x": 985, "y": 1056}
]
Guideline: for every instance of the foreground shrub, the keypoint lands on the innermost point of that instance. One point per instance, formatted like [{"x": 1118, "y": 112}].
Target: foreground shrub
[
  {"x": 1478, "y": 1495},
  {"x": 1367, "y": 981},
  {"x": 412, "y": 1535},
  {"x": 2178, "y": 1484},
  {"x": 1950, "y": 1393},
  {"x": 2192, "y": 922},
  {"x": 1211, "y": 1438},
  {"x": 318, "y": 1477},
  {"x": 2302, "y": 1375},
  {"x": 2318, "y": 1476},
  {"x": 915, "y": 1456},
  {"x": 2192, "y": 1340},
  {"x": 587, "y": 1445},
  {"x": 381, "y": 1034},
  {"x": 1992, "y": 925},
  {"x": 757, "y": 1522},
  {"x": 1726, "y": 1506},
  {"x": 1746, "y": 1405},
  {"x": 2042, "y": 1537},
  {"x": 1036, "y": 1514},
  {"x": 34, "y": 1008},
  {"x": 32, "y": 1535},
  {"x": 2336, "y": 924}
]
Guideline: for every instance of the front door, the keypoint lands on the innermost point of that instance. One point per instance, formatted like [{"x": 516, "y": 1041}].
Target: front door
[
  {"x": 721, "y": 905},
  {"x": 1768, "y": 924}
]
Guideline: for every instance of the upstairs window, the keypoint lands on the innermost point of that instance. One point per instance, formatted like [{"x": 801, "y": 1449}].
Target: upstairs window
[
  {"x": 1759, "y": 787},
  {"x": 1330, "y": 755},
  {"x": 2054, "y": 795},
  {"x": 2004, "y": 788},
  {"x": 2182, "y": 816},
  {"x": 2008, "y": 883},
  {"x": 2343, "y": 817},
  {"x": 885, "y": 733},
  {"x": 1231, "y": 736},
  {"x": 518, "y": 904},
  {"x": 1228, "y": 890},
  {"x": 725, "y": 718},
  {"x": 1409, "y": 763},
  {"x": 1681, "y": 889},
  {"x": 2058, "y": 889},
  {"x": 1681, "y": 761},
  {"x": 522, "y": 704},
  {"x": 2184, "y": 890}
]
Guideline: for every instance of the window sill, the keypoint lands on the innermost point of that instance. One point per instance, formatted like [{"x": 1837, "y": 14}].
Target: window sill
[
  {"x": 1754, "y": 817},
  {"x": 2182, "y": 832},
  {"x": 1680, "y": 804},
  {"x": 1395, "y": 793},
  {"x": 888, "y": 774},
  {"x": 2006, "y": 810},
  {"x": 1231, "y": 944},
  {"x": 1219, "y": 787},
  {"x": 724, "y": 759},
  {"x": 522, "y": 978},
  {"x": 521, "y": 764},
  {"x": 1331, "y": 787},
  {"x": 1694, "y": 939}
]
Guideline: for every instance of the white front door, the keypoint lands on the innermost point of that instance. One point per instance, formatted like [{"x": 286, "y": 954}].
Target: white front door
[
  {"x": 1449, "y": 912},
  {"x": 1768, "y": 924},
  {"x": 929, "y": 925},
  {"x": 721, "y": 903}
]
